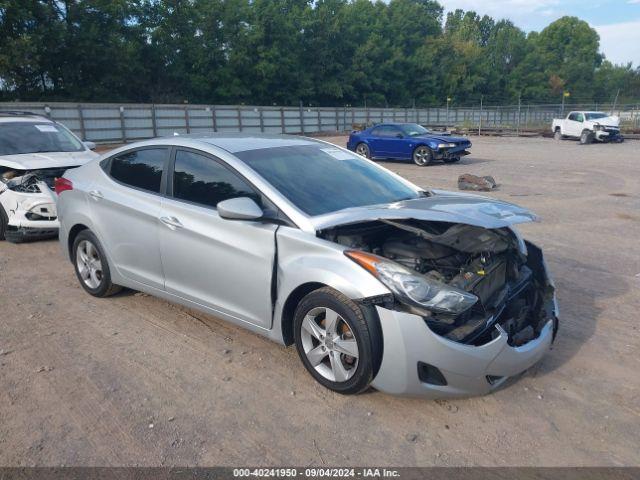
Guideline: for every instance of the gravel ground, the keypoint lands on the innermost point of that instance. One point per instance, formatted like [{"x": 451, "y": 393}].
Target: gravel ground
[{"x": 134, "y": 380}]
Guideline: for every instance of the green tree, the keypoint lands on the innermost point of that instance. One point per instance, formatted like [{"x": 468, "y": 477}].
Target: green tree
[
  {"x": 323, "y": 52},
  {"x": 30, "y": 32},
  {"x": 564, "y": 53}
]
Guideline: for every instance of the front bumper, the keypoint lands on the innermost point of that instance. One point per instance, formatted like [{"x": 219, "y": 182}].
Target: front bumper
[
  {"x": 608, "y": 135},
  {"x": 443, "y": 153},
  {"x": 30, "y": 215},
  {"x": 468, "y": 370},
  {"x": 26, "y": 234}
]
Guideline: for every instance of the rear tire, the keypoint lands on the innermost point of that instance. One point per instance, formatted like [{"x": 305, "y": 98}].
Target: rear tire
[
  {"x": 422, "y": 156},
  {"x": 4, "y": 221},
  {"x": 558, "y": 134},
  {"x": 91, "y": 265},
  {"x": 363, "y": 149},
  {"x": 327, "y": 324},
  {"x": 586, "y": 137}
]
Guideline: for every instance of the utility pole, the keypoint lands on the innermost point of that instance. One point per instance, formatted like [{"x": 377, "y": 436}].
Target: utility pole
[
  {"x": 615, "y": 102},
  {"x": 480, "y": 120},
  {"x": 447, "y": 125},
  {"x": 301, "y": 118},
  {"x": 564, "y": 94},
  {"x": 518, "y": 121}
]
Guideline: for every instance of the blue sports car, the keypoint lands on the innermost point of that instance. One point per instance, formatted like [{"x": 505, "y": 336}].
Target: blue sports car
[{"x": 408, "y": 141}]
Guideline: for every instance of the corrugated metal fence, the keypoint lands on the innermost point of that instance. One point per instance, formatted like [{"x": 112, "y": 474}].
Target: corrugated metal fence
[{"x": 105, "y": 123}]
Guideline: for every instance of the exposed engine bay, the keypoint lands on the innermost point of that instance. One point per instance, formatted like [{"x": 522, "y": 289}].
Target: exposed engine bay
[
  {"x": 507, "y": 276},
  {"x": 27, "y": 180}
]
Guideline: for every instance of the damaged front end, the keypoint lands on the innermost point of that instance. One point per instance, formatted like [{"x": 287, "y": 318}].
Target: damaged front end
[
  {"x": 26, "y": 196},
  {"x": 463, "y": 280}
]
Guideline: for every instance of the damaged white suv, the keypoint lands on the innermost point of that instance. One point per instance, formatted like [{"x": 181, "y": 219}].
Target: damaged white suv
[{"x": 34, "y": 151}]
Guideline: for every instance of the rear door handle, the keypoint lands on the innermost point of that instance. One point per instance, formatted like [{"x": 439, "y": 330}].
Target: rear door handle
[
  {"x": 96, "y": 194},
  {"x": 171, "y": 222}
]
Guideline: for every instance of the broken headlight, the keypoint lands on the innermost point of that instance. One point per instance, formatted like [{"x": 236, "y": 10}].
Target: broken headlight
[{"x": 412, "y": 288}]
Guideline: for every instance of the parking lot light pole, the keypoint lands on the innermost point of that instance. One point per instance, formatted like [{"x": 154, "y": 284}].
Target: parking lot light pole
[{"x": 447, "y": 125}]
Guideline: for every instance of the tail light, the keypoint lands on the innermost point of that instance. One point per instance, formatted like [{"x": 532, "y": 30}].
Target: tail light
[{"x": 61, "y": 184}]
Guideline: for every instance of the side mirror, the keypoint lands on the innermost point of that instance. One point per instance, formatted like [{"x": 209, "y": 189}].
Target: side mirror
[
  {"x": 90, "y": 145},
  {"x": 399, "y": 135},
  {"x": 241, "y": 208}
]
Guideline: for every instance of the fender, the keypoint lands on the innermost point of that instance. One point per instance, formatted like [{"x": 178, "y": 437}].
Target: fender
[{"x": 304, "y": 258}]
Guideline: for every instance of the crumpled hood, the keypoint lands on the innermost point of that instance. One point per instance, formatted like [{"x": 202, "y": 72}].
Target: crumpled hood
[
  {"x": 441, "y": 206},
  {"x": 36, "y": 161},
  {"x": 611, "y": 121},
  {"x": 442, "y": 138}
]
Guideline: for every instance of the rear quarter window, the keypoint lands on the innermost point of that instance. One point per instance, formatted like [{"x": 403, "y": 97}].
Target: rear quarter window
[{"x": 140, "y": 168}]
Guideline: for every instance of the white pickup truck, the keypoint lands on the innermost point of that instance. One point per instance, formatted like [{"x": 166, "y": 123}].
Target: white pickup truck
[{"x": 588, "y": 126}]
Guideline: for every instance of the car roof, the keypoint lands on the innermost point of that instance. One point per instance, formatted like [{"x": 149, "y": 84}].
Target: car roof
[
  {"x": 240, "y": 142},
  {"x": 393, "y": 124}
]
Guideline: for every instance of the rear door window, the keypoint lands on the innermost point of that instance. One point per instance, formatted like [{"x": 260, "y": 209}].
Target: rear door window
[
  {"x": 203, "y": 180},
  {"x": 140, "y": 168}
]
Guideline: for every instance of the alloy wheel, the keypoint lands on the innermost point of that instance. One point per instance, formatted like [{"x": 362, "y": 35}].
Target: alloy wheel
[
  {"x": 422, "y": 156},
  {"x": 329, "y": 344},
  {"x": 89, "y": 264},
  {"x": 363, "y": 149}
]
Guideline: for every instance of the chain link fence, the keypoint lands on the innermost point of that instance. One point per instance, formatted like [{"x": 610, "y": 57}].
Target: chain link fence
[{"x": 121, "y": 123}]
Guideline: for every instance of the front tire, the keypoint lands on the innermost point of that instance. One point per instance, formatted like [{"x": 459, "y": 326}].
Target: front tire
[
  {"x": 363, "y": 149},
  {"x": 452, "y": 160},
  {"x": 4, "y": 221},
  {"x": 422, "y": 156},
  {"x": 91, "y": 266},
  {"x": 335, "y": 342},
  {"x": 586, "y": 137}
]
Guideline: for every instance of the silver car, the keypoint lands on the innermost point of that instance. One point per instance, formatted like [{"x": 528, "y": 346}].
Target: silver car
[{"x": 376, "y": 281}]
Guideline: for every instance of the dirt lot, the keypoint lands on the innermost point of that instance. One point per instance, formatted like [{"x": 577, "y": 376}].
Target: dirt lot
[{"x": 133, "y": 380}]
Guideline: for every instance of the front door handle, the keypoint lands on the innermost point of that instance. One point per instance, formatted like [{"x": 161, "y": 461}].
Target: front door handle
[
  {"x": 171, "y": 222},
  {"x": 96, "y": 194}
]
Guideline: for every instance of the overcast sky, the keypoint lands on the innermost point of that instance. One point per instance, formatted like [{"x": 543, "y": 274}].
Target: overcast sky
[{"x": 617, "y": 21}]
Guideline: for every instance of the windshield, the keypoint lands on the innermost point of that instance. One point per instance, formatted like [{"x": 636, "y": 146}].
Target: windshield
[
  {"x": 413, "y": 129},
  {"x": 321, "y": 179},
  {"x": 595, "y": 116},
  {"x": 23, "y": 137}
]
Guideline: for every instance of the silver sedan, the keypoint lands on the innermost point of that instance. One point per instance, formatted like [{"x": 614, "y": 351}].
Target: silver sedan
[{"x": 376, "y": 281}]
